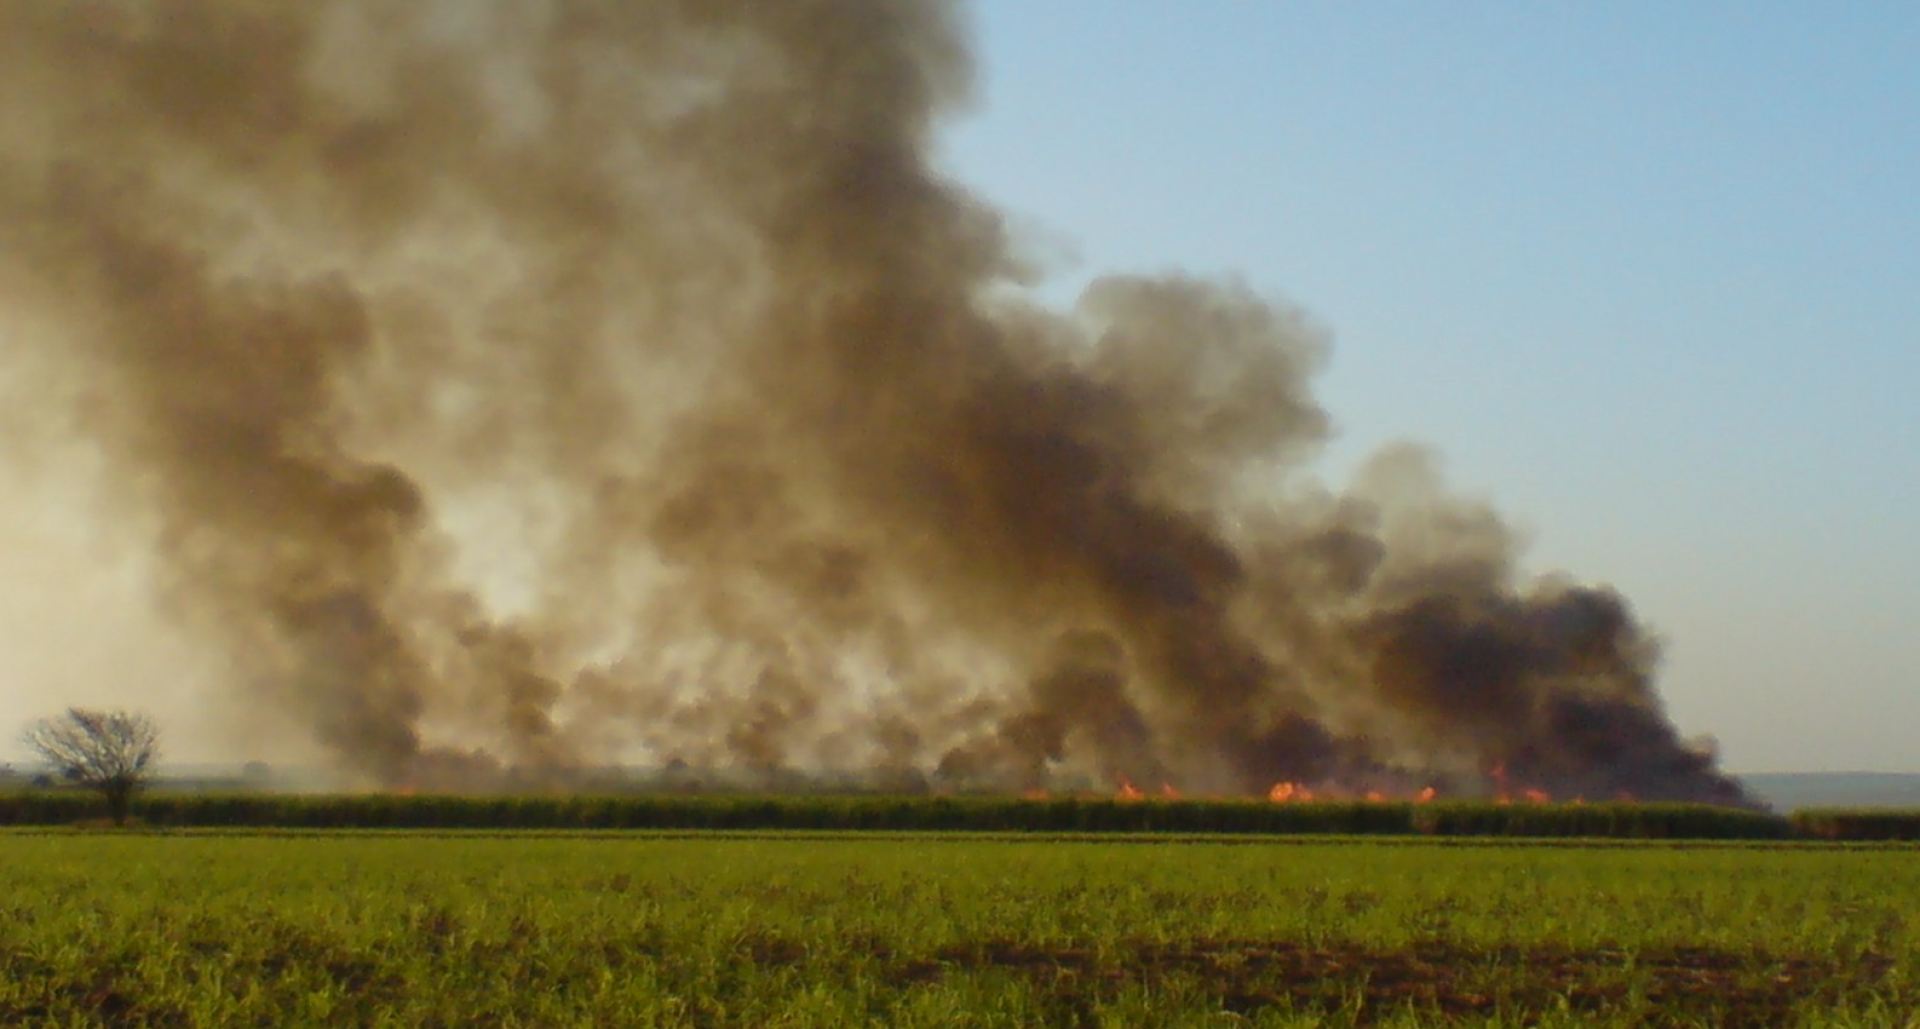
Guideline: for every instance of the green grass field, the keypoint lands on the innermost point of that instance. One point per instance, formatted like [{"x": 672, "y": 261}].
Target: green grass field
[{"x": 397, "y": 929}]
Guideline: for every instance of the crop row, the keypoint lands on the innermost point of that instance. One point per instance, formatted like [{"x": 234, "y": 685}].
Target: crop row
[
  {"x": 957, "y": 814},
  {"x": 189, "y": 930}
]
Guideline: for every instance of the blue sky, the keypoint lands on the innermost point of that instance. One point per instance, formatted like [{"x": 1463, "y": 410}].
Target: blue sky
[{"x": 1647, "y": 274}]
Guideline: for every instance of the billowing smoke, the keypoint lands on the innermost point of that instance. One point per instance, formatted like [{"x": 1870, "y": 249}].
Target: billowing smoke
[{"x": 518, "y": 387}]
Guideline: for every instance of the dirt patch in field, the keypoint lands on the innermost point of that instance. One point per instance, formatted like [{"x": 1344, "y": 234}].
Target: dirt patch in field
[{"x": 1675, "y": 986}]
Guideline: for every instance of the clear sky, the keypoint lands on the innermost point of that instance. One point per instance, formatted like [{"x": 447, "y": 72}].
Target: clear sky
[{"x": 1647, "y": 274}]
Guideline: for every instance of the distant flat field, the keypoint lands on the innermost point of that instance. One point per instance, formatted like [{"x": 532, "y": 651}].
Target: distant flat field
[
  {"x": 497, "y": 930},
  {"x": 1791, "y": 791}
]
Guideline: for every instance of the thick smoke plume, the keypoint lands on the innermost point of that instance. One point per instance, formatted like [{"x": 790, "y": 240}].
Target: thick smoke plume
[{"x": 519, "y": 387}]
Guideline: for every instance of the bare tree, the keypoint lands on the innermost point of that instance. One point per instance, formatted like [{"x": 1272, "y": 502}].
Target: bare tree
[{"x": 110, "y": 752}]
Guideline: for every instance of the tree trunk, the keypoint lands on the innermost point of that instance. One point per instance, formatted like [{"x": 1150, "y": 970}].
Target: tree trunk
[{"x": 119, "y": 797}]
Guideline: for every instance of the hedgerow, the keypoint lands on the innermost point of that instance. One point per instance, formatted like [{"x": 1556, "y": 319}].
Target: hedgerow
[
  {"x": 954, "y": 814},
  {"x": 1856, "y": 824}
]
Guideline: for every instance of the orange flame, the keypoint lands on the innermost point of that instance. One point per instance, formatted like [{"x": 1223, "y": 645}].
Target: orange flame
[
  {"x": 1287, "y": 792},
  {"x": 1128, "y": 791},
  {"x": 1497, "y": 773},
  {"x": 1167, "y": 791},
  {"x": 1536, "y": 796}
]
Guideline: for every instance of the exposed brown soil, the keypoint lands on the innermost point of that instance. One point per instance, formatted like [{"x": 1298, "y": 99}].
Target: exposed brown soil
[
  {"x": 1681, "y": 985},
  {"x": 1444, "y": 982}
]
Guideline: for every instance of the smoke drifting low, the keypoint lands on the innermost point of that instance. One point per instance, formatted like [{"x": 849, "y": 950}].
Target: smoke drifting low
[{"x": 534, "y": 385}]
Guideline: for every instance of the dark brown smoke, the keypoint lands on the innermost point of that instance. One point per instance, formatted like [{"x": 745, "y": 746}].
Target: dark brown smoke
[{"x": 519, "y": 387}]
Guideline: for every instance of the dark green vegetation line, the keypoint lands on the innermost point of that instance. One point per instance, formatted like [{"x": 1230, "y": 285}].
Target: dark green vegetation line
[
  {"x": 391, "y": 929},
  {"x": 963, "y": 814},
  {"x": 960, "y": 814}
]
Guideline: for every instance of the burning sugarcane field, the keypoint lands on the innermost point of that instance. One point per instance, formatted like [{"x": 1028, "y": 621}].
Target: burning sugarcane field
[{"x": 583, "y": 513}]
